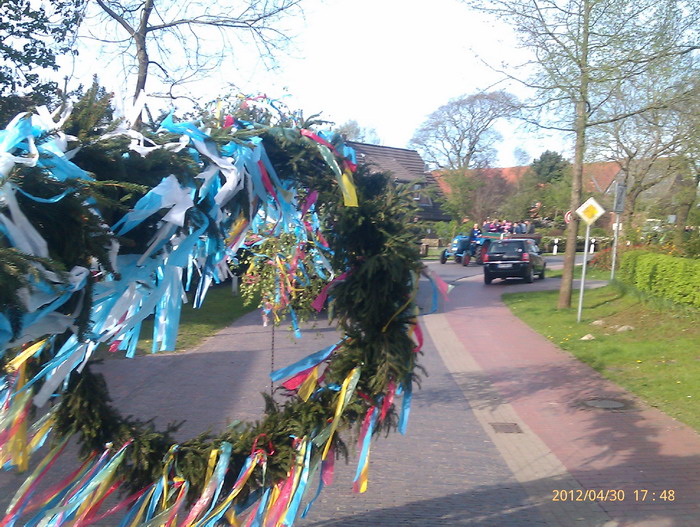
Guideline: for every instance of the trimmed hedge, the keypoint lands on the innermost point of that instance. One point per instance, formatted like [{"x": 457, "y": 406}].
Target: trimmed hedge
[{"x": 661, "y": 275}]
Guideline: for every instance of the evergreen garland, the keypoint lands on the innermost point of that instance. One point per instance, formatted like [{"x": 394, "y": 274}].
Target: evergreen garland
[{"x": 372, "y": 304}]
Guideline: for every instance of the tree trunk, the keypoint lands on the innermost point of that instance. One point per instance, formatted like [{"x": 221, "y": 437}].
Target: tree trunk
[
  {"x": 142, "y": 56},
  {"x": 687, "y": 196},
  {"x": 580, "y": 125},
  {"x": 567, "y": 277},
  {"x": 633, "y": 193}
]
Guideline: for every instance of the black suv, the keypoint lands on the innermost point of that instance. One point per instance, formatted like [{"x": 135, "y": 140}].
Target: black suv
[{"x": 513, "y": 259}]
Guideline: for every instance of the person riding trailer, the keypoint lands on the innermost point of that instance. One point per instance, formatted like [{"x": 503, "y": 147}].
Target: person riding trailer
[{"x": 474, "y": 236}]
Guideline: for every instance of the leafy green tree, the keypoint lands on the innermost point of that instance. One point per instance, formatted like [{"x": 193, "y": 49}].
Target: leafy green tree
[
  {"x": 544, "y": 190},
  {"x": 550, "y": 167},
  {"x": 585, "y": 50},
  {"x": 32, "y": 36},
  {"x": 476, "y": 194},
  {"x": 459, "y": 201}
]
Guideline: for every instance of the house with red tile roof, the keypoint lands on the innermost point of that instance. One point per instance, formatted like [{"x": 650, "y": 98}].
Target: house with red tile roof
[{"x": 597, "y": 177}]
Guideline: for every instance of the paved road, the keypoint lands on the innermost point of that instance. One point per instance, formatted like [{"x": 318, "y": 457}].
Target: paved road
[{"x": 499, "y": 425}]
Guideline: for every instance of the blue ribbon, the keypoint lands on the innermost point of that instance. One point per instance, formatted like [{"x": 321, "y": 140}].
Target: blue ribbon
[
  {"x": 405, "y": 406},
  {"x": 304, "y": 364},
  {"x": 55, "y": 199}
]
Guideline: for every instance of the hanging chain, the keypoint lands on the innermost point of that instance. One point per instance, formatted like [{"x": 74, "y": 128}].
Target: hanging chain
[{"x": 272, "y": 359}]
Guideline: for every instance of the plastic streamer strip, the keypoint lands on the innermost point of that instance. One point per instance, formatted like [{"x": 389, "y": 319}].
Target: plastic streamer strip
[
  {"x": 364, "y": 442},
  {"x": 301, "y": 487},
  {"x": 320, "y": 300},
  {"x": 326, "y": 478},
  {"x": 25, "y": 492},
  {"x": 407, "y": 390},
  {"x": 212, "y": 487},
  {"x": 304, "y": 364},
  {"x": 344, "y": 178},
  {"x": 439, "y": 288},
  {"x": 344, "y": 397},
  {"x": 210, "y": 519}
]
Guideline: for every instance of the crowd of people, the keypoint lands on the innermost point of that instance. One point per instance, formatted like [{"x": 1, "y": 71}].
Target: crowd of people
[{"x": 511, "y": 227}]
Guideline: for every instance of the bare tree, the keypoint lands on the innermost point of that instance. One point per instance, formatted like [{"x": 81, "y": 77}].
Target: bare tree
[
  {"x": 645, "y": 148},
  {"x": 584, "y": 50},
  {"x": 648, "y": 146},
  {"x": 475, "y": 194},
  {"x": 352, "y": 131},
  {"x": 460, "y": 134},
  {"x": 182, "y": 39},
  {"x": 688, "y": 178}
]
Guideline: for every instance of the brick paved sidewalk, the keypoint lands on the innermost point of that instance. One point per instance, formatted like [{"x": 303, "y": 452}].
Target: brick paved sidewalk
[{"x": 512, "y": 375}]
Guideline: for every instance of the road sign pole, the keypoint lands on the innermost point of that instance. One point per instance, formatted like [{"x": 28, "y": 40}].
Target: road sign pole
[
  {"x": 583, "y": 273},
  {"x": 614, "y": 251},
  {"x": 588, "y": 212}
]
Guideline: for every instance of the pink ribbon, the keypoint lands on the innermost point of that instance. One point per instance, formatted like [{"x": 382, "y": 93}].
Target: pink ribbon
[{"x": 320, "y": 300}]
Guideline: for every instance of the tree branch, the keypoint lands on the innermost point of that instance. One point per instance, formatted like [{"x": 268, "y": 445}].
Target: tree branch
[{"x": 122, "y": 22}]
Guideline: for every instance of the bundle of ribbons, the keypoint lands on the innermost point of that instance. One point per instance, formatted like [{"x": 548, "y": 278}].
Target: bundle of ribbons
[{"x": 199, "y": 229}]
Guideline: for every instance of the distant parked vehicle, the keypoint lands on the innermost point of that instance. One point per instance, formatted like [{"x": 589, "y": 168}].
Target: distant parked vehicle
[{"x": 513, "y": 258}]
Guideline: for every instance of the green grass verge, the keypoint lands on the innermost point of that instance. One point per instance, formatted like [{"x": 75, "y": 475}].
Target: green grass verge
[
  {"x": 658, "y": 360},
  {"x": 591, "y": 273}
]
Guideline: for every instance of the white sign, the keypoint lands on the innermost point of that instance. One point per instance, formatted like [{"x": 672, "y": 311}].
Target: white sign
[{"x": 590, "y": 211}]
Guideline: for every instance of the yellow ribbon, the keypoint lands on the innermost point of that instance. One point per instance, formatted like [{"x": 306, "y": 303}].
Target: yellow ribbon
[
  {"x": 18, "y": 448},
  {"x": 362, "y": 487},
  {"x": 343, "y": 399},
  {"x": 210, "y": 467},
  {"x": 166, "y": 468},
  {"x": 234, "y": 492},
  {"x": 40, "y": 433},
  {"x": 309, "y": 385},
  {"x": 348, "y": 187},
  {"x": 142, "y": 509},
  {"x": 20, "y": 359}
]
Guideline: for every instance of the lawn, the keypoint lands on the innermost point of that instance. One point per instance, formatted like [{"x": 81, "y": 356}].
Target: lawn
[
  {"x": 658, "y": 359},
  {"x": 220, "y": 308},
  {"x": 591, "y": 273}
]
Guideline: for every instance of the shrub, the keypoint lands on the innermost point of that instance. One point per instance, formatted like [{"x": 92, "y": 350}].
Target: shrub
[{"x": 662, "y": 275}]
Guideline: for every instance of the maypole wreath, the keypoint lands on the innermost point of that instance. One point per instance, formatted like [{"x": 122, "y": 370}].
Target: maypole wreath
[{"x": 102, "y": 227}]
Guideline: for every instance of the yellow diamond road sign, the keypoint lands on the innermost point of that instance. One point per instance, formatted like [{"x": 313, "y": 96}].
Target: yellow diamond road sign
[{"x": 590, "y": 211}]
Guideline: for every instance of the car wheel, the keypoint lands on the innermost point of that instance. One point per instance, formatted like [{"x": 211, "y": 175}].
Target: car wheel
[
  {"x": 478, "y": 256},
  {"x": 443, "y": 256},
  {"x": 466, "y": 259},
  {"x": 530, "y": 276},
  {"x": 541, "y": 275},
  {"x": 487, "y": 278}
]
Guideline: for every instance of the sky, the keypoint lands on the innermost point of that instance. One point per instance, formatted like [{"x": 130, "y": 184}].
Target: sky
[{"x": 386, "y": 64}]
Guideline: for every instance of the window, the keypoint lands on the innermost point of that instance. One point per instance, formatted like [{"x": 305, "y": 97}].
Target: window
[{"x": 507, "y": 248}]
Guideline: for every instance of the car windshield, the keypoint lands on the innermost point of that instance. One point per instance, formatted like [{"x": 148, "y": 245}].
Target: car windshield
[{"x": 507, "y": 248}]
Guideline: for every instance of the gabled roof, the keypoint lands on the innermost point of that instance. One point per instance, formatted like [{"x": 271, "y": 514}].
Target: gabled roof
[
  {"x": 511, "y": 174},
  {"x": 597, "y": 177},
  {"x": 405, "y": 165}
]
